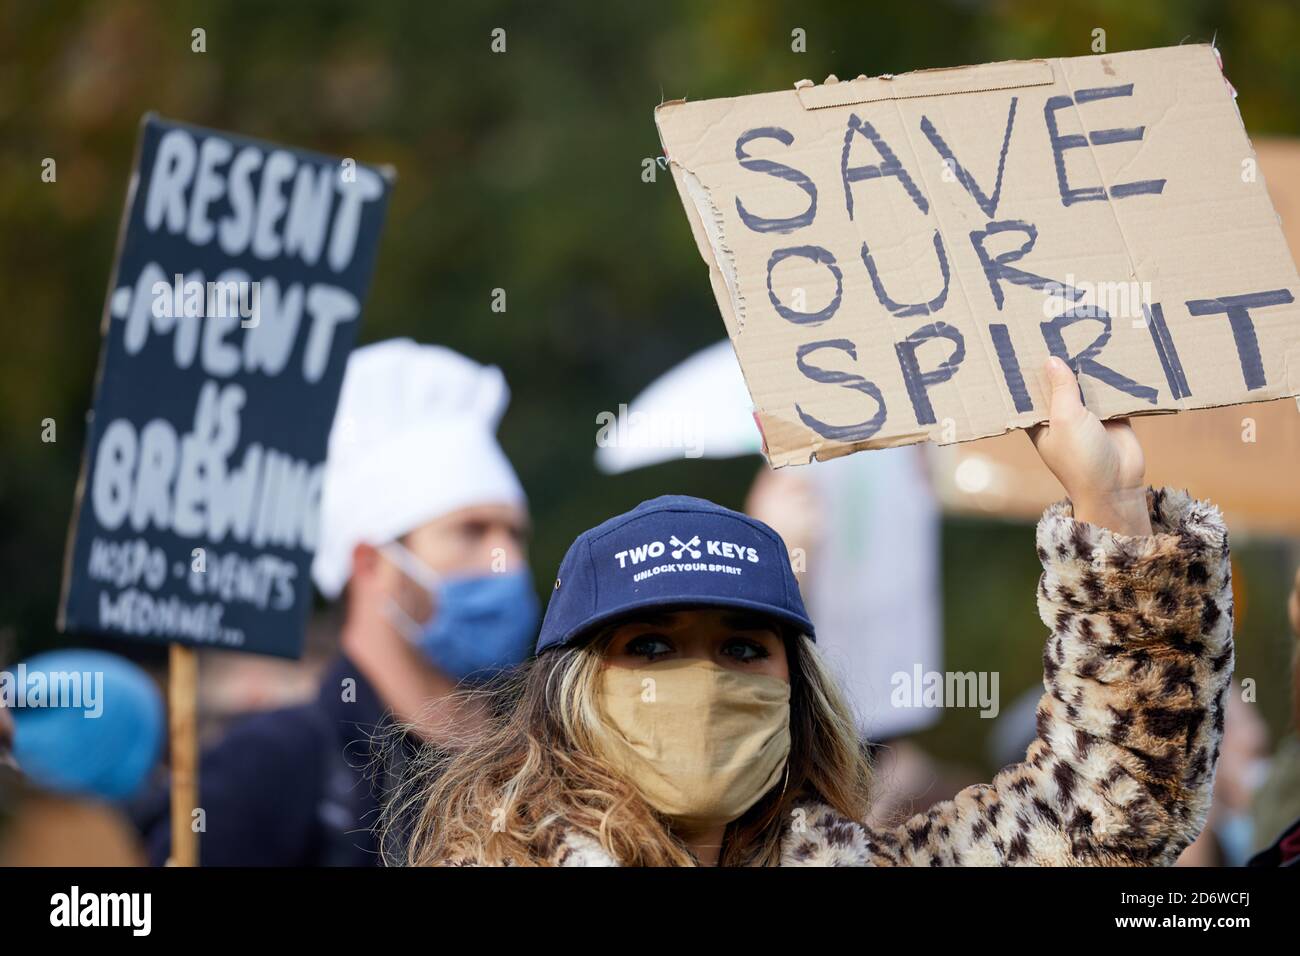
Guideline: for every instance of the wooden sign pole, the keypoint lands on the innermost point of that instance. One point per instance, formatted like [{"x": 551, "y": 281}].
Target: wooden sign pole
[{"x": 183, "y": 693}]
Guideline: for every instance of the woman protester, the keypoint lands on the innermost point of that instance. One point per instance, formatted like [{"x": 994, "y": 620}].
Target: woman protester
[{"x": 677, "y": 712}]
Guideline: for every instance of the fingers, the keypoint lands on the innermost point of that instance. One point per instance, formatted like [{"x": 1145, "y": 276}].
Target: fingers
[
  {"x": 1063, "y": 392},
  {"x": 1066, "y": 403}
]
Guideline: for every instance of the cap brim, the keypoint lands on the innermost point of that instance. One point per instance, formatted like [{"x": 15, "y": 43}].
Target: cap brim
[{"x": 584, "y": 631}]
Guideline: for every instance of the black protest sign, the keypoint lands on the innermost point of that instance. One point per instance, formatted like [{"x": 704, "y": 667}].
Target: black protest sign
[{"x": 241, "y": 272}]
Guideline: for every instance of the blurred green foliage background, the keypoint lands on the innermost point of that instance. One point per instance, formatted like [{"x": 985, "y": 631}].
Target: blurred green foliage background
[{"x": 520, "y": 171}]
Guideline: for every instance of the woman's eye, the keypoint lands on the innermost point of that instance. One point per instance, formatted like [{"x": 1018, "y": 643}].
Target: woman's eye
[
  {"x": 649, "y": 646},
  {"x": 745, "y": 650}
]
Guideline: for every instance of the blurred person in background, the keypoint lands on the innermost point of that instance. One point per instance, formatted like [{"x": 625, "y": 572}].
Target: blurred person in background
[
  {"x": 423, "y": 538},
  {"x": 1276, "y": 808},
  {"x": 75, "y": 763},
  {"x": 678, "y": 713},
  {"x": 9, "y": 778},
  {"x": 235, "y": 685},
  {"x": 1243, "y": 767},
  {"x": 865, "y": 530},
  {"x": 6, "y": 739}
]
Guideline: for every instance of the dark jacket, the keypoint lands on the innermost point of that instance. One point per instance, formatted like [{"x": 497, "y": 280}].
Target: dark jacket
[
  {"x": 1285, "y": 850},
  {"x": 289, "y": 787}
]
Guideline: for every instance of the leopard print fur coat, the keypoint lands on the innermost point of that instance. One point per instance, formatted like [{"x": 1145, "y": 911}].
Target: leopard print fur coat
[{"x": 1136, "y": 671}]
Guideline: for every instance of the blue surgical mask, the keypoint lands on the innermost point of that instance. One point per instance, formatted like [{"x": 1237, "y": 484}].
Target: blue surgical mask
[{"x": 481, "y": 625}]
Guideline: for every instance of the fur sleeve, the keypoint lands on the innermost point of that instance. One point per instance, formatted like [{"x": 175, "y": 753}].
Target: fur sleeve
[{"x": 1136, "y": 670}]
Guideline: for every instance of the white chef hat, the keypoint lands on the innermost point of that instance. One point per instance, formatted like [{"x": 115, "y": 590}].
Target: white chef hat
[{"x": 414, "y": 438}]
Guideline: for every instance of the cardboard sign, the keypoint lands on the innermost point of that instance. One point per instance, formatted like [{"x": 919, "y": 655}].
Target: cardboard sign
[
  {"x": 241, "y": 271},
  {"x": 895, "y": 257}
]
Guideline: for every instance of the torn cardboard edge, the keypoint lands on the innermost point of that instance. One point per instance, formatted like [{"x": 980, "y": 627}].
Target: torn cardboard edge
[
  {"x": 942, "y": 81},
  {"x": 708, "y": 219}
]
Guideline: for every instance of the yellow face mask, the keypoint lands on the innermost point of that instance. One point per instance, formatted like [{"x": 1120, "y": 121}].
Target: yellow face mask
[{"x": 702, "y": 743}]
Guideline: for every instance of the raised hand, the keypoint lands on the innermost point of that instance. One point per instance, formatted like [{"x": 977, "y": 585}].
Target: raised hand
[{"x": 1099, "y": 463}]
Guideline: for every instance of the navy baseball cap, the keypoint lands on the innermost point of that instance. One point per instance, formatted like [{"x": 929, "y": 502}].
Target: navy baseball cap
[{"x": 671, "y": 552}]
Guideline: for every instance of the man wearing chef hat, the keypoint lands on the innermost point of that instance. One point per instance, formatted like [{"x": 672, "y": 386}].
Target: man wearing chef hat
[{"x": 423, "y": 529}]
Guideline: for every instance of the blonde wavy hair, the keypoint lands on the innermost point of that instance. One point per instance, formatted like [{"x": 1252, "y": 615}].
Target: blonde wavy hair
[{"x": 507, "y": 795}]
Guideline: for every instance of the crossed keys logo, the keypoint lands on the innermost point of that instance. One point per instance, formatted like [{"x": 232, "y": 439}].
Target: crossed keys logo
[{"x": 680, "y": 547}]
